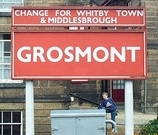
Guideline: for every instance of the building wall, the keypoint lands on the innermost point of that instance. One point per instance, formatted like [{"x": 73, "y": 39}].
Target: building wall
[
  {"x": 55, "y": 2},
  {"x": 152, "y": 21},
  {"x": 5, "y": 24},
  {"x": 146, "y": 91},
  {"x": 152, "y": 30},
  {"x": 41, "y": 114},
  {"x": 48, "y": 95}
]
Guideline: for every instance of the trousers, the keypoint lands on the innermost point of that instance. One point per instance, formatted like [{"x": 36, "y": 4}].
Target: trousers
[{"x": 113, "y": 115}]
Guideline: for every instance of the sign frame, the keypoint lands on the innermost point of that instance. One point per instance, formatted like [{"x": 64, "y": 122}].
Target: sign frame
[
  {"x": 78, "y": 77},
  {"x": 142, "y": 24}
]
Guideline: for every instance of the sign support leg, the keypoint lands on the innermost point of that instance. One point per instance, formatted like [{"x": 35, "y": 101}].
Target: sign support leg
[
  {"x": 29, "y": 91},
  {"x": 129, "y": 122}
]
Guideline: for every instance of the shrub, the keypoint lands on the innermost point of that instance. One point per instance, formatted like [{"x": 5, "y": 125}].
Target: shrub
[{"x": 151, "y": 128}]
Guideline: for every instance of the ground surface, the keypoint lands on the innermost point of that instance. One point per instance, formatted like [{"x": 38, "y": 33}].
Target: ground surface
[{"x": 139, "y": 119}]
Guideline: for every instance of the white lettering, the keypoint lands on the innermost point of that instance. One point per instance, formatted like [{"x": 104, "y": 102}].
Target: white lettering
[
  {"x": 62, "y": 13},
  {"x": 95, "y": 54},
  {"x": 38, "y": 52},
  {"x": 27, "y": 56},
  {"x": 83, "y": 20},
  {"x": 79, "y": 53},
  {"x": 92, "y": 12},
  {"x": 69, "y": 54},
  {"x": 121, "y": 55},
  {"x": 76, "y": 54},
  {"x": 133, "y": 52},
  {"x": 31, "y": 12},
  {"x": 129, "y": 13},
  {"x": 49, "y": 54}
]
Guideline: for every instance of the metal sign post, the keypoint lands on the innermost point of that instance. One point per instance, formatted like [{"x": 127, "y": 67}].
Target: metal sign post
[
  {"x": 129, "y": 124},
  {"x": 29, "y": 91}
]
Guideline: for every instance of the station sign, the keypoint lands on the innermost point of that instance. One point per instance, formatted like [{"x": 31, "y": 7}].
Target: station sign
[
  {"x": 78, "y": 16},
  {"x": 78, "y": 55}
]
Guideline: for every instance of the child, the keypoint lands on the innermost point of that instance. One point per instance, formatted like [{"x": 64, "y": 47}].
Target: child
[{"x": 109, "y": 105}]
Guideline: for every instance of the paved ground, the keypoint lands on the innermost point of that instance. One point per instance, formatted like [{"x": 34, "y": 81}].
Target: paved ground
[{"x": 139, "y": 118}]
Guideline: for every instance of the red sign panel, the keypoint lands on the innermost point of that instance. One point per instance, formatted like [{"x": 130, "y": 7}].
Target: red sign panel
[
  {"x": 78, "y": 16},
  {"x": 78, "y": 55}
]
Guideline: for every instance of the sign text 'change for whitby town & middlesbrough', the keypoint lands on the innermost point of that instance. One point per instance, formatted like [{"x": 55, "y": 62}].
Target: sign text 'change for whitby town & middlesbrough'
[{"x": 84, "y": 16}]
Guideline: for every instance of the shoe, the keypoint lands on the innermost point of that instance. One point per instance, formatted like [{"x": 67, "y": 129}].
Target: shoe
[{"x": 112, "y": 130}]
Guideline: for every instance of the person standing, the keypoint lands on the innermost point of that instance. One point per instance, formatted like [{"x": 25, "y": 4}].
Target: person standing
[{"x": 109, "y": 105}]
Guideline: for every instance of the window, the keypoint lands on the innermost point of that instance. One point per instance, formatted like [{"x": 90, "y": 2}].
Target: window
[
  {"x": 118, "y": 84},
  {"x": 5, "y": 5},
  {"x": 11, "y": 123},
  {"x": 4, "y": 57},
  {"x": 5, "y": 62}
]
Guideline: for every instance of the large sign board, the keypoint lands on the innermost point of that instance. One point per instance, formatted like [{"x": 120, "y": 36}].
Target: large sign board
[
  {"x": 79, "y": 55},
  {"x": 78, "y": 16}
]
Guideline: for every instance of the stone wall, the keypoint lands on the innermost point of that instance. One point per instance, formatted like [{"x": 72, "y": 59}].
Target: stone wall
[
  {"x": 5, "y": 24},
  {"x": 146, "y": 92},
  {"x": 90, "y": 90},
  {"x": 41, "y": 114},
  {"x": 56, "y": 2},
  {"x": 152, "y": 21},
  {"x": 152, "y": 36},
  {"x": 48, "y": 95},
  {"x": 152, "y": 81}
]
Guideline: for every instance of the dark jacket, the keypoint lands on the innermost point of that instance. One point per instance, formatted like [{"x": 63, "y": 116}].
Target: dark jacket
[{"x": 108, "y": 104}]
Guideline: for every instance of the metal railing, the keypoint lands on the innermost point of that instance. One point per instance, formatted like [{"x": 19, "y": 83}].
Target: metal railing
[
  {"x": 113, "y": 123},
  {"x": 84, "y": 99}
]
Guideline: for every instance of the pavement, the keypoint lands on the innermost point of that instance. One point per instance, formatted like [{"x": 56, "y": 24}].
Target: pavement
[{"x": 139, "y": 118}]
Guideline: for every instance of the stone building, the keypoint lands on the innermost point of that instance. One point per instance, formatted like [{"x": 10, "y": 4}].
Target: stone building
[{"x": 55, "y": 94}]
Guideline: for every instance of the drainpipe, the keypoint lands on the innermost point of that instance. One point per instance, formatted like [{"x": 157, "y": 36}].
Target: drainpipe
[
  {"x": 104, "y": 87},
  {"x": 145, "y": 96},
  {"x": 91, "y": 3}
]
